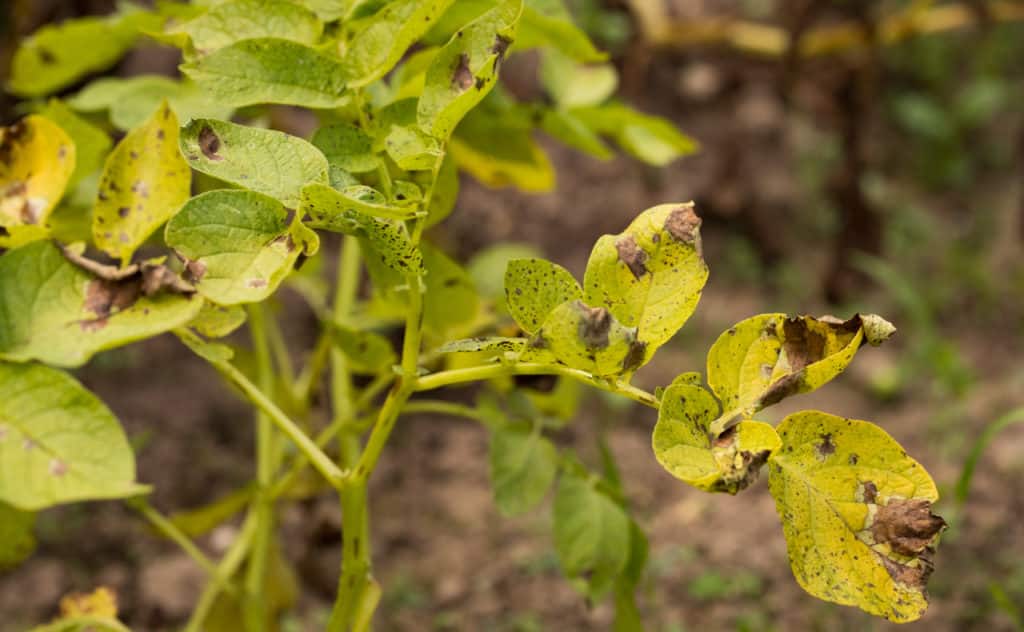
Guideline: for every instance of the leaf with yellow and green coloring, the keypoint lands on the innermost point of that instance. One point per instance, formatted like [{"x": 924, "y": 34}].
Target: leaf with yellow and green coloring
[
  {"x": 132, "y": 100},
  {"x": 367, "y": 352},
  {"x": 262, "y": 160},
  {"x": 347, "y": 210},
  {"x": 446, "y": 192},
  {"x": 488, "y": 343},
  {"x": 17, "y": 541},
  {"x": 534, "y": 288},
  {"x": 408, "y": 79},
  {"x": 380, "y": 40},
  {"x": 684, "y": 446},
  {"x": 91, "y": 143},
  {"x": 523, "y": 466},
  {"x": 145, "y": 181},
  {"x": 58, "y": 442},
  {"x": 651, "y": 275},
  {"x": 498, "y": 149},
  {"x": 766, "y": 358},
  {"x": 269, "y": 70},
  {"x": 648, "y": 138},
  {"x": 328, "y": 10},
  {"x": 466, "y": 68},
  {"x": 589, "y": 339},
  {"x": 856, "y": 512},
  {"x": 229, "y": 22},
  {"x": 573, "y": 85},
  {"x": 450, "y": 298},
  {"x": 217, "y": 321},
  {"x": 37, "y": 159},
  {"x": 412, "y": 149},
  {"x": 568, "y": 129},
  {"x": 548, "y": 24},
  {"x": 239, "y": 245},
  {"x": 346, "y": 147},
  {"x": 57, "y": 312},
  {"x": 591, "y": 535}
]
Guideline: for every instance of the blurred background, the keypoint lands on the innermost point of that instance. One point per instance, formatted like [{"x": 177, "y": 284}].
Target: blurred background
[{"x": 847, "y": 162}]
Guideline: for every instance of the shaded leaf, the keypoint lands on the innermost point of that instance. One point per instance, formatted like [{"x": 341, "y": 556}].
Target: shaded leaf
[
  {"x": 573, "y": 85},
  {"x": 413, "y": 149},
  {"x": 565, "y": 127},
  {"x": 368, "y": 353},
  {"x": 17, "y": 541},
  {"x": 346, "y": 147},
  {"x": 446, "y": 192},
  {"x": 450, "y": 298},
  {"x": 496, "y": 147},
  {"x": 534, "y": 288},
  {"x": 523, "y": 467},
  {"x": 202, "y": 520}
]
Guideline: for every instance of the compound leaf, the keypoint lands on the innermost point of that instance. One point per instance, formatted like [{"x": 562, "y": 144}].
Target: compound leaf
[
  {"x": 17, "y": 541},
  {"x": 856, "y": 513},
  {"x": 229, "y": 22},
  {"x": 238, "y": 245},
  {"x": 523, "y": 467},
  {"x": 651, "y": 275},
  {"x": 145, "y": 181},
  {"x": 534, "y": 288},
  {"x": 58, "y": 442},
  {"x": 262, "y": 160}
]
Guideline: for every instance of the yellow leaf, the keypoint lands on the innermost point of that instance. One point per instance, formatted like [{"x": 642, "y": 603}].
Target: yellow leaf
[{"x": 101, "y": 603}]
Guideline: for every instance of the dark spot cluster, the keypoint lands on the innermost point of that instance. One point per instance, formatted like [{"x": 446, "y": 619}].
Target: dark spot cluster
[
  {"x": 631, "y": 254},
  {"x": 595, "y": 324}
]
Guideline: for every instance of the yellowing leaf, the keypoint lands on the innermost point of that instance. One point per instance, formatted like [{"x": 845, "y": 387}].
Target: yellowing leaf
[
  {"x": 589, "y": 339},
  {"x": 496, "y": 147},
  {"x": 217, "y": 321},
  {"x": 534, "y": 288},
  {"x": 37, "y": 159},
  {"x": 145, "y": 181},
  {"x": 101, "y": 602},
  {"x": 91, "y": 143},
  {"x": 132, "y": 100},
  {"x": 345, "y": 210},
  {"x": 651, "y": 275},
  {"x": 684, "y": 446},
  {"x": 856, "y": 512}
]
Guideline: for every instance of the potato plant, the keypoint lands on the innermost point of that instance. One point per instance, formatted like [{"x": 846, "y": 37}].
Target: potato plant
[{"x": 203, "y": 210}]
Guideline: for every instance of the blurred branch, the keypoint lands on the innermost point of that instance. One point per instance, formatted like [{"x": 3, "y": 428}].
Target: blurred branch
[{"x": 765, "y": 40}]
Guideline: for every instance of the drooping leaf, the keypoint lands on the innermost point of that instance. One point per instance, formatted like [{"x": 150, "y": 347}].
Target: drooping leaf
[
  {"x": 37, "y": 159},
  {"x": 201, "y": 520},
  {"x": 547, "y": 23},
  {"x": 91, "y": 143},
  {"x": 523, "y": 467},
  {"x": 534, "y": 288},
  {"x": 589, "y": 338},
  {"x": 450, "y": 298},
  {"x": 262, "y": 160},
  {"x": 17, "y": 540},
  {"x": 132, "y": 100},
  {"x": 270, "y": 70},
  {"x": 766, "y": 358},
  {"x": 651, "y": 275},
  {"x": 58, "y": 442},
  {"x": 346, "y": 210},
  {"x": 496, "y": 146},
  {"x": 217, "y": 321},
  {"x": 57, "y": 312},
  {"x": 380, "y": 40},
  {"x": 228, "y": 22},
  {"x": 368, "y": 353},
  {"x": 239, "y": 245},
  {"x": 466, "y": 68},
  {"x": 856, "y": 512},
  {"x": 145, "y": 181},
  {"x": 591, "y": 535},
  {"x": 684, "y": 446},
  {"x": 648, "y": 138}
]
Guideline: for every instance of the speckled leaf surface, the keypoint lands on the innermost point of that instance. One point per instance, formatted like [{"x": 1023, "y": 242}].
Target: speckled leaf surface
[
  {"x": 56, "y": 312},
  {"x": 651, "y": 275},
  {"x": 58, "y": 442},
  {"x": 589, "y": 339},
  {"x": 239, "y": 245},
  {"x": 484, "y": 343},
  {"x": 523, "y": 465},
  {"x": 684, "y": 447},
  {"x": 270, "y": 70},
  {"x": 346, "y": 147},
  {"x": 342, "y": 210},
  {"x": 534, "y": 288},
  {"x": 229, "y": 22},
  {"x": 856, "y": 512},
  {"x": 261, "y": 160}
]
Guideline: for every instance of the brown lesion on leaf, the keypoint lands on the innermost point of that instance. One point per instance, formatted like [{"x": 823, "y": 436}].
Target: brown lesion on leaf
[
  {"x": 740, "y": 468},
  {"x": 913, "y": 574},
  {"x": 908, "y": 526},
  {"x": 802, "y": 345},
  {"x": 635, "y": 356},
  {"x": 209, "y": 143},
  {"x": 499, "y": 48},
  {"x": 683, "y": 224},
  {"x": 462, "y": 76},
  {"x": 631, "y": 254},
  {"x": 867, "y": 491},
  {"x": 825, "y": 448},
  {"x": 256, "y": 283},
  {"x": 595, "y": 324},
  {"x": 58, "y": 468},
  {"x": 782, "y": 388}
]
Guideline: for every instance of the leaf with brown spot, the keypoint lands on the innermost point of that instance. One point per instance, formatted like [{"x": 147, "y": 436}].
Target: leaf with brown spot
[
  {"x": 534, "y": 288},
  {"x": 587, "y": 338}
]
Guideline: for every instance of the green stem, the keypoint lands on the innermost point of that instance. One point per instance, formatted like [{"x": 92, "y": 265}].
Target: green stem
[
  {"x": 306, "y": 383},
  {"x": 486, "y": 372},
  {"x": 439, "y": 407},
  {"x": 227, "y": 567}
]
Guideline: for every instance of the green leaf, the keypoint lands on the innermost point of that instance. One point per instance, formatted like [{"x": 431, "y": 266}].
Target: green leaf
[
  {"x": 368, "y": 353},
  {"x": 466, "y": 69},
  {"x": 131, "y": 101},
  {"x": 591, "y": 535},
  {"x": 450, "y": 298},
  {"x": 565, "y": 127},
  {"x": 202, "y": 520},
  {"x": 238, "y": 245},
  {"x": 856, "y": 512},
  {"x": 490, "y": 343},
  {"x": 547, "y": 23},
  {"x": 217, "y": 321},
  {"x": 523, "y": 467},
  {"x": 446, "y": 192},
  {"x": 381, "y": 40},
  {"x": 328, "y": 10},
  {"x": 627, "y": 615},
  {"x": 56, "y": 56},
  {"x": 496, "y": 147},
  {"x": 766, "y": 358},
  {"x": 145, "y": 181},
  {"x": 412, "y": 149},
  {"x": 684, "y": 446},
  {"x": 347, "y": 210},
  {"x": 58, "y": 442},
  {"x": 229, "y": 22},
  {"x": 17, "y": 541},
  {"x": 589, "y": 339},
  {"x": 648, "y": 138},
  {"x": 270, "y": 70},
  {"x": 651, "y": 275},
  {"x": 261, "y": 160},
  {"x": 346, "y": 147},
  {"x": 91, "y": 143},
  {"x": 57, "y": 312},
  {"x": 534, "y": 288},
  {"x": 574, "y": 85},
  {"x": 37, "y": 159}
]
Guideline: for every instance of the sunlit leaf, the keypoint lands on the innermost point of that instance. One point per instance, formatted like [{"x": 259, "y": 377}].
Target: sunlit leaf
[
  {"x": 228, "y": 22},
  {"x": 565, "y": 127},
  {"x": 574, "y": 85},
  {"x": 648, "y": 138},
  {"x": 589, "y": 339},
  {"x": 547, "y": 23},
  {"x": 490, "y": 343},
  {"x": 413, "y": 149},
  {"x": 523, "y": 467},
  {"x": 346, "y": 210},
  {"x": 346, "y": 147},
  {"x": 132, "y": 100},
  {"x": 217, "y": 321}
]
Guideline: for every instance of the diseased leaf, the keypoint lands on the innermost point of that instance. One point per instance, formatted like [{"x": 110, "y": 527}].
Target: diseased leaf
[
  {"x": 346, "y": 147},
  {"x": 474, "y": 345},
  {"x": 238, "y": 245},
  {"x": 856, "y": 512},
  {"x": 132, "y": 100},
  {"x": 60, "y": 313},
  {"x": 145, "y": 181},
  {"x": 381, "y": 40},
  {"x": 262, "y": 160},
  {"x": 684, "y": 446},
  {"x": 17, "y": 541},
  {"x": 58, "y": 442},
  {"x": 368, "y": 353},
  {"x": 591, "y": 535},
  {"x": 589, "y": 339},
  {"x": 91, "y": 143},
  {"x": 466, "y": 68},
  {"x": 766, "y": 358},
  {"x": 37, "y": 159},
  {"x": 86, "y": 612},
  {"x": 346, "y": 210},
  {"x": 496, "y": 146},
  {"x": 228, "y": 22},
  {"x": 217, "y": 321},
  {"x": 648, "y": 138},
  {"x": 523, "y": 467},
  {"x": 270, "y": 70},
  {"x": 651, "y": 275},
  {"x": 534, "y": 288},
  {"x": 547, "y": 23}
]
